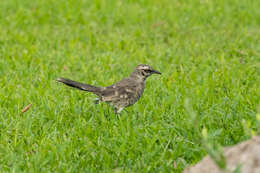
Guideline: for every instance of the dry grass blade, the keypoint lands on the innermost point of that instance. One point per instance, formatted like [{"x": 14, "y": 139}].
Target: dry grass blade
[{"x": 26, "y": 108}]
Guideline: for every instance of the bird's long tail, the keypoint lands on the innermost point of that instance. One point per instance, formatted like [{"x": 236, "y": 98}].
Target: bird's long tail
[{"x": 80, "y": 86}]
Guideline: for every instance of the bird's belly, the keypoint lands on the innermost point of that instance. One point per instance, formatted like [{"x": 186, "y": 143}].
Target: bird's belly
[{"x": 136, "y": 96}]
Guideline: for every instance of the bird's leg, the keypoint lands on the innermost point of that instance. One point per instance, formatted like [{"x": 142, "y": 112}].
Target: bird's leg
[
  {"x": 119, "y": 110},
  {"x": 96, "y": 101},
  {"x": 115, "y": 110}
]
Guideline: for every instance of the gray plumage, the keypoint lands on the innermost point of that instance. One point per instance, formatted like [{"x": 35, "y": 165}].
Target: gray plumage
[{"x": 121, "y": 94}]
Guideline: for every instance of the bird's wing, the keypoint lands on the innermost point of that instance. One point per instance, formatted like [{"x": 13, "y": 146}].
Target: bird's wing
[{"x": 122, "y": 90}]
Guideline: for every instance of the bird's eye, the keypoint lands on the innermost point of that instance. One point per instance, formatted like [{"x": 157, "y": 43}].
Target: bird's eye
[{"x": 147, "y": 71}]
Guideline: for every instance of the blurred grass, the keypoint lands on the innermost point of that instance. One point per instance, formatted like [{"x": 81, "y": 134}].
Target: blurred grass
[{"x": 208, "y": 52}]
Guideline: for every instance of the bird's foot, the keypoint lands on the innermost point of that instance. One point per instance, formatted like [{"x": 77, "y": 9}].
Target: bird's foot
[
  {"x": 96, "y": 101},
  {"x": 118, "y": 110}
]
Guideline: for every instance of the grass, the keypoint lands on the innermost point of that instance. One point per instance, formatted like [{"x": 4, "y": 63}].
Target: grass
[{"x": 208, "y": 52}]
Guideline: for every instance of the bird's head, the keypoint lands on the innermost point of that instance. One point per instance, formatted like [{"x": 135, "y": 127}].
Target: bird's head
[{"x": 143, "y": 71}]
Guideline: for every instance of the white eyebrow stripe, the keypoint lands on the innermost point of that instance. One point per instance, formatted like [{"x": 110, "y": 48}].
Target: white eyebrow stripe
[{"x": 145, "y": 67}]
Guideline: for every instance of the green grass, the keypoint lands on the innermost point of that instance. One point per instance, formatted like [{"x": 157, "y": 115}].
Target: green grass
[{"x": 208, "y": 52}]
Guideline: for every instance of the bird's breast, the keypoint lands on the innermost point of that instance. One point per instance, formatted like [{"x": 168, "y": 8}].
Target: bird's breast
[{"x": 138, "y": 93}]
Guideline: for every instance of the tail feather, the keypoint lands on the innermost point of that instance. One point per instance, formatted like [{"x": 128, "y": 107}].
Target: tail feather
[{"x": 78, "y": 85}]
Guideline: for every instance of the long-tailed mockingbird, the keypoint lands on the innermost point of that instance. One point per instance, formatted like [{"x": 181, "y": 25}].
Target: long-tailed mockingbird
[{"x": 121, "y": 94}]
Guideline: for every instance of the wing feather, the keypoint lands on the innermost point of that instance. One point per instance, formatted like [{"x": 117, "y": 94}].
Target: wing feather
[{"x": 122, "y": 90}]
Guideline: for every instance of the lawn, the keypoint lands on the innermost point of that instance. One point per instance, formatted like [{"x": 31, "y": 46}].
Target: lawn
[{"x": 208, "y": 94}]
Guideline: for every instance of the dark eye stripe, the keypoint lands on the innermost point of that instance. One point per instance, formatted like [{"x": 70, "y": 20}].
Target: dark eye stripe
[{"x": 148, "y": 71}]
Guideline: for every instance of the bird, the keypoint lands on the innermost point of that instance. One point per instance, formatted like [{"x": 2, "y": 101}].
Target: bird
[{"x": 122, "y": 94}]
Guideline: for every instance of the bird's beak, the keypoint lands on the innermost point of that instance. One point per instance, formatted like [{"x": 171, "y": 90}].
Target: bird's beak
[{"x": 156, "y": 72}]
